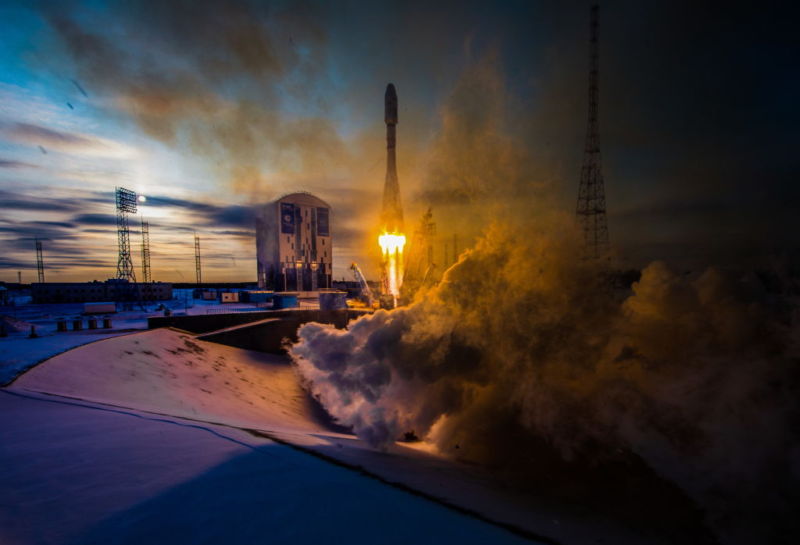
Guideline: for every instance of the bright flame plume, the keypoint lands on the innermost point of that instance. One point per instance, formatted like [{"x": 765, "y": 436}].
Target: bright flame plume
[{"x": 392, "y": 245}]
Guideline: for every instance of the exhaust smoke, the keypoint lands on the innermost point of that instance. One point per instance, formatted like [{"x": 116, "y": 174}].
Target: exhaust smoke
[{"x": 521, "y": 344}]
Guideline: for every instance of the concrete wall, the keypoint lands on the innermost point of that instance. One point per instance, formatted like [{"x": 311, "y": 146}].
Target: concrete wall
[{"x": 265, "y": 336}]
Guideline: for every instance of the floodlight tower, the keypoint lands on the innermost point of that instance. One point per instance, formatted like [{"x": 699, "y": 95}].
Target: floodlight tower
[
  {"x": 591, "y": 207},
  {"x": 197, "y": 269},
  {"x": 126, "y": 204},
  {"x": 146, "y": 251},
  {"x": 39, "y": 261}
]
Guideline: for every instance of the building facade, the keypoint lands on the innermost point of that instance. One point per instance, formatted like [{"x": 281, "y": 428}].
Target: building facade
[
  {"x": 294, "y": 244},
  {"x": 94, "y": 292}
]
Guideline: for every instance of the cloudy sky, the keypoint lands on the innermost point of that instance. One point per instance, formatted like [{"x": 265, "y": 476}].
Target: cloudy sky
[{"x": 210, "y": 109}]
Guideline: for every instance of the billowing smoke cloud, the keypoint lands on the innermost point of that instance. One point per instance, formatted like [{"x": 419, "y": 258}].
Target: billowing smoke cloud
[
  {"x": 523, "y": 344},
  {"x": 523, "y": 347}
]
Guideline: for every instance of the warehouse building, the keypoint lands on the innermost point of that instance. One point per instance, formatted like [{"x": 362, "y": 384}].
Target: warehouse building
[
  {"x": 294, "y": 244},
  {"x": 110, "y": 290}
]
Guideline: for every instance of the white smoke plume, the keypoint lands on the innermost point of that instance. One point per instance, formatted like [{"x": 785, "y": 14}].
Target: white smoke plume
[{"x": 522, "y": 344}]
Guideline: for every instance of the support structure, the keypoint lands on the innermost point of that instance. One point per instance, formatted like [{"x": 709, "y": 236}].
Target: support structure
[
  {"x": 126, "y": 204},
  {"x": 420, "y": 263},
  {"x": 39, "y": 261},
  {"x": 591, "y": 206},
  {"x": 198, "y": 271},
  {"x": 146, "y": 276}
]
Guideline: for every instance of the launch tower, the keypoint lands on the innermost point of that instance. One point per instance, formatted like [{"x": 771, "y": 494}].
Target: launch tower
[{"x": 591, "y": 207}]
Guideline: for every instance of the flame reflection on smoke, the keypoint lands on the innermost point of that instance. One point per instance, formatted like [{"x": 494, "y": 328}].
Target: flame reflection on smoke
[{"x": 520, "y": 342}]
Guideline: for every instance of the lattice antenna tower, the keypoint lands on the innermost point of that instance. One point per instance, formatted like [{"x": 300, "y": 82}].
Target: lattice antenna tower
[
  {"x": 39, "y": 261},
  {"x": 198, "y": 271},
  {"x": 126, "y": 204},
  {"x": 591, "y": 207},
  {"x": 147, "y": 277}
]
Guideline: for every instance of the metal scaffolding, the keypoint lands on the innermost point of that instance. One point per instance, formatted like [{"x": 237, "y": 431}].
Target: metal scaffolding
[
  {"x": 591, "y": 206},
  {"x": 197, "y": 267},
  {"x": 126, "y": 204},
  {"x": 39, "y": 261},
  {"x": 146, "y": 276}
]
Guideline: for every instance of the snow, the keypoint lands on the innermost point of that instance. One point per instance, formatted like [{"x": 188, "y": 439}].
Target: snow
[
  {"x": 170, "y": 372},
  {"x": 78, "y": 473},
  {"x": 19, "y": 353},
  {"x": 141, "y": 438}
]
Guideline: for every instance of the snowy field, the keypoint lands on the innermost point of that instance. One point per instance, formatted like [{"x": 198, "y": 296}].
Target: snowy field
[
  {"x": 18, "y": 352},
  {"x": 77, "y": 473},
  {"x": 157, "y": 437}
]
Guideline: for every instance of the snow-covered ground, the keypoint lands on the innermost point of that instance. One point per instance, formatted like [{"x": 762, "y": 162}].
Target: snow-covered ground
[
  {"x": 170, "y": 372},
  {"x": 79, "y": 473},
  {"x": 97, "y": 424},
  {"x": 18, "y": 352},
  {"x": 129, "y": 470}
]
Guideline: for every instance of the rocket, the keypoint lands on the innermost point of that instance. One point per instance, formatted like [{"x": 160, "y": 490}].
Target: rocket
[{"x": 392, "y": 212}]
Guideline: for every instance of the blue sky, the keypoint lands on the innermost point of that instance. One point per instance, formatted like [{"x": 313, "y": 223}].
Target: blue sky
[{"x": 212, "y": 110}]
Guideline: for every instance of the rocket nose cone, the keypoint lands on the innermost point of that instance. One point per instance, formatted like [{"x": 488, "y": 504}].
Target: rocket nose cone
[{"x": 391, "y": 105}]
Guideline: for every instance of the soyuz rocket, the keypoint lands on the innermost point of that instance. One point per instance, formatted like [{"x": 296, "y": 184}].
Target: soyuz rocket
[
  {"x": 392, "y": 212},
  {"x": 392, "y": 239}
]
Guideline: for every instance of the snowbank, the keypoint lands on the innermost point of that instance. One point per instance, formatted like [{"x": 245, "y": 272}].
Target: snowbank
[{"x": 170, "y": 372}]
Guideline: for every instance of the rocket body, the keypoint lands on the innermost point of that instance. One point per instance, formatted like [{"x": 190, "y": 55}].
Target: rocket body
[
  {"x": 392, "y": 239},
  {"x": 392, "y": 213}
]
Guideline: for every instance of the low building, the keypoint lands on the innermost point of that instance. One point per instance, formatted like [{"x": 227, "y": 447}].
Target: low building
[
  {"x": 294, "y": 244},
  {"x": 95, "y": 291}
]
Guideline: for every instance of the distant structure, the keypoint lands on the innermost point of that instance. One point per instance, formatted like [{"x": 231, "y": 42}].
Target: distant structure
[
  {"x": 126, "y": 204},
  {"x": 420, "y": 259},
  {"x": 94, "y": 292},
  {"x": 197, "y": 268},
  {"x": 146, "y": 276},
  {"x": 591, "y": 207},
  {"x": 39, "y": 260},
  {"x": 294, "y": 245},
  {"x": 392, "y": 238}
]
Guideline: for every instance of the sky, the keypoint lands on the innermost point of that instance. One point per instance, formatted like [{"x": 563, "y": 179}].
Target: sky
[{"x": 212, "y": 109}]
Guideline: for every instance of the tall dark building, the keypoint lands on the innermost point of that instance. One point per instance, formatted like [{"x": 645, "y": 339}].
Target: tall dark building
[{"x": 294, "y": 244}]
